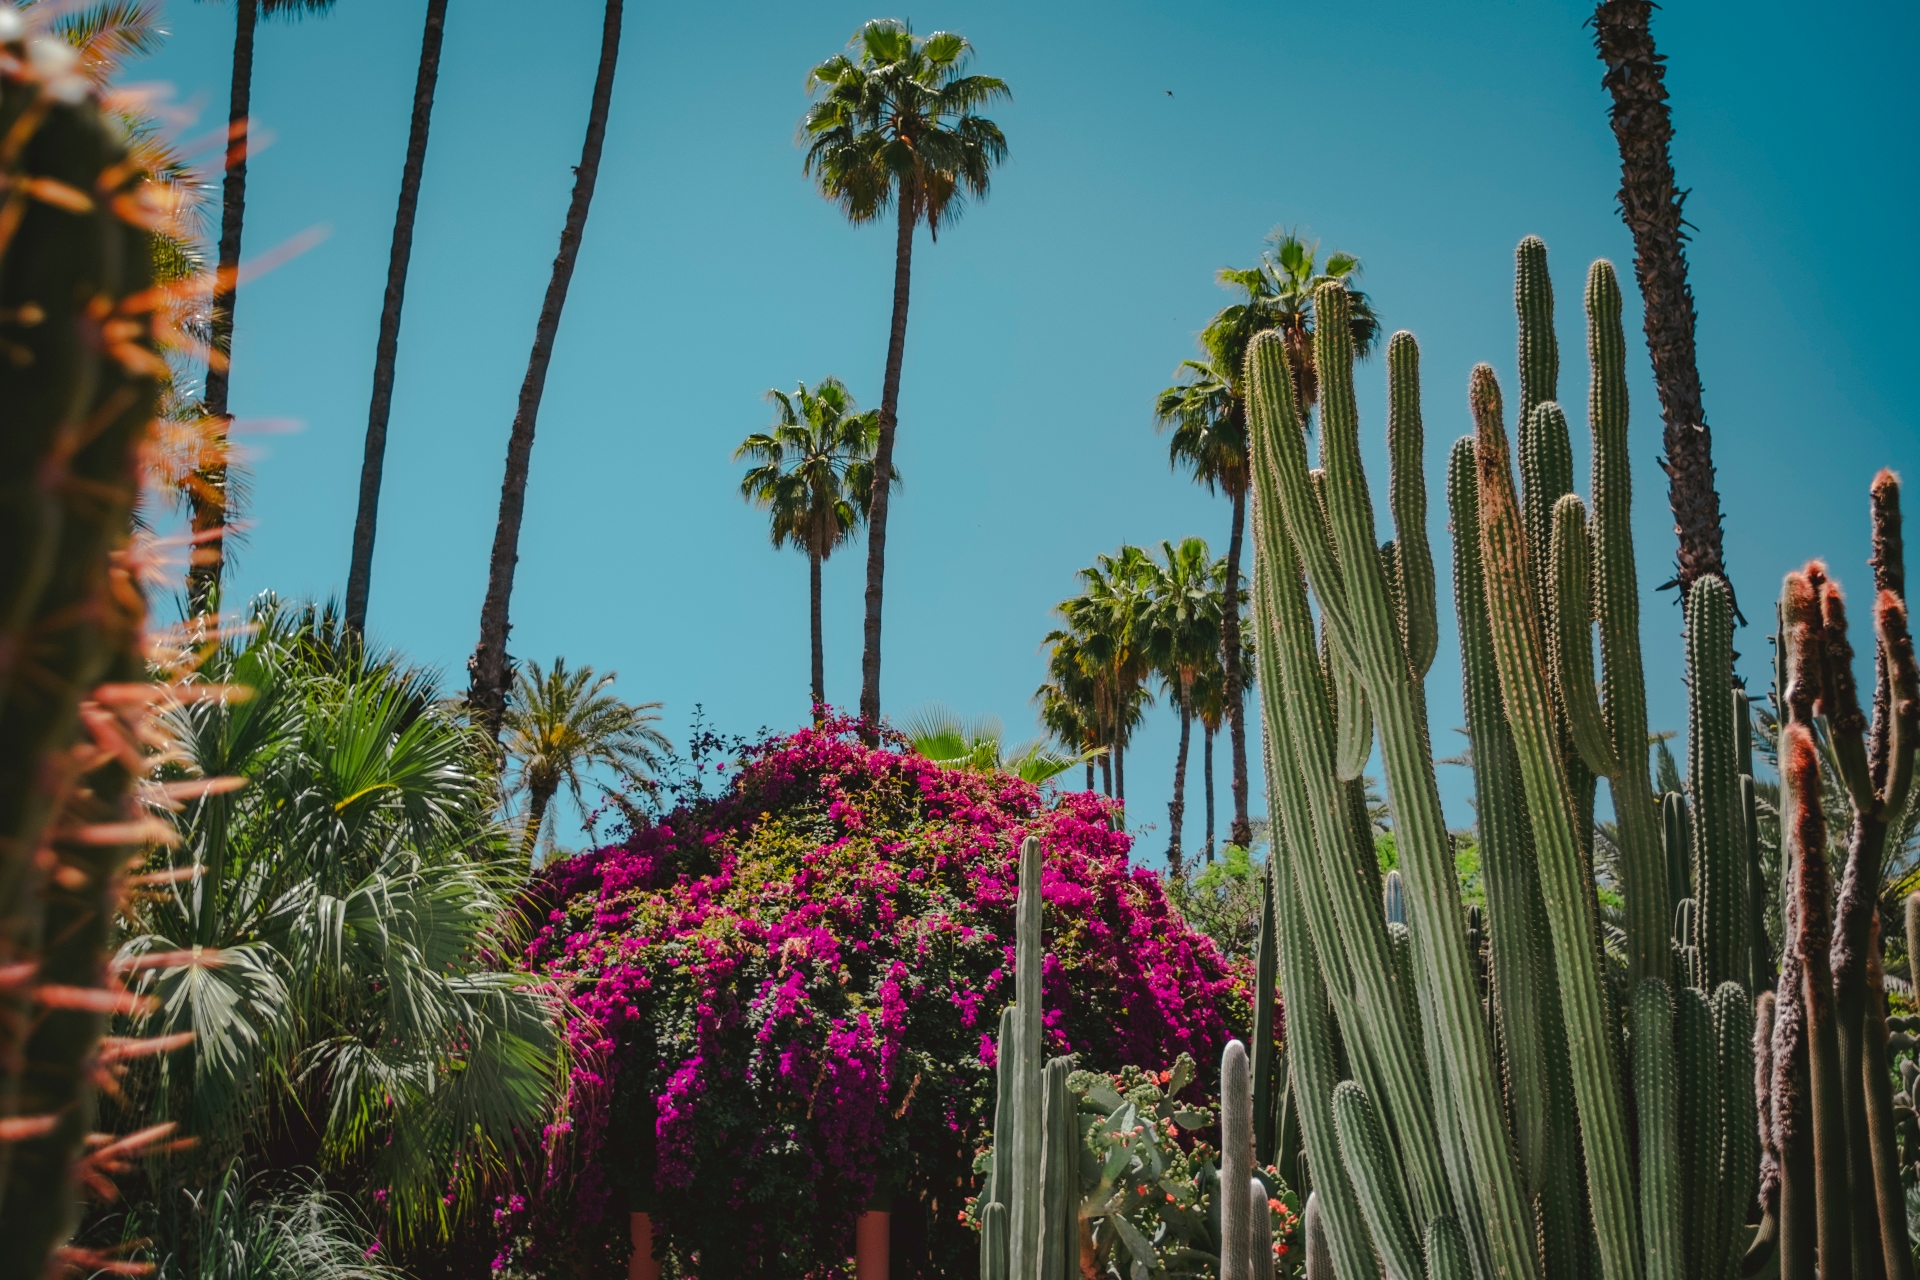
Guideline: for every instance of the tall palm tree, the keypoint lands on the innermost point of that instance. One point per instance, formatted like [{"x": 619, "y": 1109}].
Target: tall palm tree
[
  {"x": 488, "y": 669},
  {"x": 1110, "y": 625},
  {"x": 1210, "y": 708},
  {"x": 1206, "y": 412},
  {"x": 1183, "y": 637},
  {"x": 387, "y": 348},
  {"x": 562, "y": 723},
  {"x": 211, "y": 498},
  {"x": 895, "y": 131},
  {"x": 815, "y": 479},
  {"x": 1067, "y": 712},
  {"x": 1653, "y": 207}
]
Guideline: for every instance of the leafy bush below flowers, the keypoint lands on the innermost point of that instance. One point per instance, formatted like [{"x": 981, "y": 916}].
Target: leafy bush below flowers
[
  {"x": 786, "y": 998},
  {"x": 1150, "y": 1179}
]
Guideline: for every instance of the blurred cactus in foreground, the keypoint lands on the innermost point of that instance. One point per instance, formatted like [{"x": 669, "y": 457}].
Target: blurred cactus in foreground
[{"x": 79, "y": 373}]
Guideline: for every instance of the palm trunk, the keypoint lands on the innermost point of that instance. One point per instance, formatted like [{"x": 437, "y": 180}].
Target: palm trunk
[
  {"x": 1207, "y": 768},
  {"x": 208, "y": 497},
  {"x": 819, "y": 651},
  {"x": 1242, "y": 834},
  {"x": 1090, "y": 782},
  {"x": 487, "y": 669},
  {"x": 1120, "y": 773},
  {"x": 1652, "y": 208},
  {"x": 538, "y": 800},
  {"x": 360, "y": 572},
  {"x": 1177, "y": 807},
  {"x": 883, "y": 469},
  {"x": 1106, "y": 773}
]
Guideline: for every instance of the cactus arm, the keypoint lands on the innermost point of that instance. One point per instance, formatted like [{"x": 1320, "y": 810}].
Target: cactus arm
[
  {"x": 1399, "y": 713},
  {"x": 1236, "y": 1162},
  {"x": 1432, "y": 892},
  {"x": 1617, "y": 606},
  {"x": 1739, "y": 1125},
  {"x": 1343, "y": 906},
  {"x": 1700, "y": 1120},
  {"x": 1059, "y": 1175},
  {"x": 1656, "y": 1091},
  {"x": 993, "y": 1242},
  {"x": 1265, "y": 967},
  {"x": 1023, "y": 1225},
  {"x": 1446, "y": 1251},
  {"x": 1260, "y": 1221},
  {"x": 1353, "y": 721},
  {"x": 1719, "y": 867},
  {"x": 1546, "y": 476},
  {"x": 1812, "y": 922},
  {"x": 1506, "y": 861},
  {"x": 1571, "y": 550},
  {"x": 1331, "y": 1210},
  {"x": 1364, "y": 1153},
  {"x": 1533, "y": 306},
  {"x": 1564, "y": 885},
  {"x": 999, "y": 1186},
  {"x": 1407, "y": 496},
  {"x": 1889, "y": 1191}
]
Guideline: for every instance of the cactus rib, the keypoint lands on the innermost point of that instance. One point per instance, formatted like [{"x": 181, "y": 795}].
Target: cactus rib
[{"x": 1571, "y": 552}]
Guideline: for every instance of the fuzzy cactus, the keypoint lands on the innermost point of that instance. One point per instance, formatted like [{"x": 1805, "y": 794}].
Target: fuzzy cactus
[{"x": 1236, "y": 1162}]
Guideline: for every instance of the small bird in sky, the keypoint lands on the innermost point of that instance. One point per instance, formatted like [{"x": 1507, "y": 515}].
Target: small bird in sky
[{"x": 1169, "y": 93}]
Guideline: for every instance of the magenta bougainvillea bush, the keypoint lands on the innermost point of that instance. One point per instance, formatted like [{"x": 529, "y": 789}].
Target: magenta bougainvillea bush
[{"x": 786, "y": 997}]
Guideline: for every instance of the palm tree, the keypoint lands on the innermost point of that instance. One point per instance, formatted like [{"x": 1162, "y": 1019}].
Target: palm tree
[
  {"x": 1207, "y": 414},
  {"x": 1109, "y": 625},
  {"x": 895, "y": 132},
  {"x": 562, "y": 723},
  {"x": 815, "y": 478},
  {"x": 1210, "y": 708},
  {"x": 938, "y": 733},
  {"x": 488, "y": 670},
  {"x": 387, "y": 348},
  {"x": 326, "y": 936},
  {"x": 1069, "y": 706},
  {"x": 1183, "y": 638},
  {"x": 210, "y": 498},
  {"x": 1653, "y": 206}
]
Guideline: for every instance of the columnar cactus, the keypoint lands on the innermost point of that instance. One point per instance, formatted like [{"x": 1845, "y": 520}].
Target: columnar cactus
[
  {"x": 1520, "y": 1148},
  {"x": 1236, "y": 1163},
  {"x": 79, "y": 376}
]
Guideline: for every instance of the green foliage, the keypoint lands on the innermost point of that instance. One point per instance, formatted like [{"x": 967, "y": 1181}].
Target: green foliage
[
  {"x": 562, "y": 723},
  {"x": 1223, "y": 900},
  {"x": 897, "y": 124},
  {"x": 330, "y": 931},
  {"x": 938, "y": 733},
  {"x": 813, "y": 470}
]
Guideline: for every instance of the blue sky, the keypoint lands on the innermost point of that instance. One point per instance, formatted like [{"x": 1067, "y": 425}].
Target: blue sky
[{"x": 1425, "y": 138}]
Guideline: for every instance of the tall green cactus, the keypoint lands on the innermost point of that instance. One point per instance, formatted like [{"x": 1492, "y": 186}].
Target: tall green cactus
[
  {"x": 78, "y": 384},
  {"x": 1616, "y": 595},
  {"x": 1566, "y": 887},
  {"x": 1024, "y": 1191},
  {"x": 1719, "y": 846},
  {"x": 1265, "y": 1046},
  {"x": 1236, "y": 1162},
  {"x": 1538, "y": 1154},
  {"x": 1347, "y": 580}
]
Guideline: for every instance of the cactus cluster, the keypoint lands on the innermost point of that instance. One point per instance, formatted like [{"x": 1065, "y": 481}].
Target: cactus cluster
[
  {"x": 1571, "y": 1108},
  {"x": 79, "y": 377},
  {"x": 1832, "y": 1189}
]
